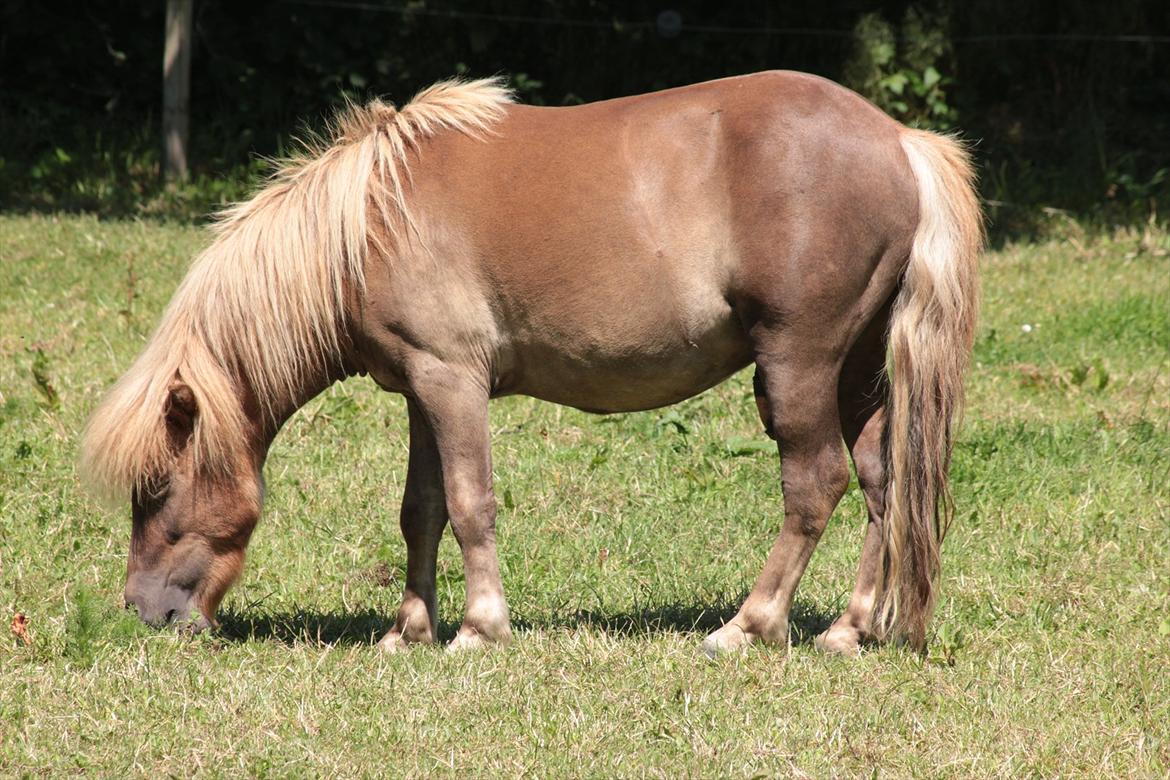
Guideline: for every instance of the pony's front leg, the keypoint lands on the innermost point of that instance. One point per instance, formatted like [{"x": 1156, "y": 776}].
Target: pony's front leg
[
  {"x": 455, "y": 406},
  {"x": 423, "y": 517}
]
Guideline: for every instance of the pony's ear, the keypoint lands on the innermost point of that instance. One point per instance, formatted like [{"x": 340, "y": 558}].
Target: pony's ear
[{"x": 181, "y": 410}]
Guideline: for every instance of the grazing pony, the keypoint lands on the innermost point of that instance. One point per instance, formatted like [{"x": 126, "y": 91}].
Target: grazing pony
[{"x": 615, "y": 256}]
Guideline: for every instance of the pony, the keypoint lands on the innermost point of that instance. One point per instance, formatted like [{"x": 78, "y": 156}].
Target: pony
[{"x": 615, "y": 256}]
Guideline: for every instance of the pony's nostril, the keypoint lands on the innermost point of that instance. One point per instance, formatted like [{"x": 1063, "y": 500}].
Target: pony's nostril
[{"x": 170, "y": 615}]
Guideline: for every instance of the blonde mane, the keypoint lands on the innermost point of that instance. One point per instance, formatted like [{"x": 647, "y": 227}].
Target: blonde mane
[{"x": 265, "y": 302}]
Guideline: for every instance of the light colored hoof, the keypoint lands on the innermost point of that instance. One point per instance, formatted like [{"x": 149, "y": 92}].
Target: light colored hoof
[
  {"x": 401, "y": 638},
  {"x": 729, "y": 639},
  {"x": 393, "y": 642},
  {"x": 840, "y": 640},
  {"x": 470, "y": 639}
]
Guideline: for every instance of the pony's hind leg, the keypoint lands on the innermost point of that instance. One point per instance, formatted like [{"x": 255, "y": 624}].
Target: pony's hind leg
[
  {"x": 855, "y": 625},
  {"x": 423, "y": 517},
  {"x": 799, "y": 403},
  {"x": 861, "y": 395}
]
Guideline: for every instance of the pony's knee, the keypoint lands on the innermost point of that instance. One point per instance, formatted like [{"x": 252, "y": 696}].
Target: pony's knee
[
  {"x": 418, "y": 515},
  {"x": 472, "y": 515}
]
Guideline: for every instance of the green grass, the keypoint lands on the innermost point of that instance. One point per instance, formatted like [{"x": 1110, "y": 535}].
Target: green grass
[{"x": 623, "y": 540}]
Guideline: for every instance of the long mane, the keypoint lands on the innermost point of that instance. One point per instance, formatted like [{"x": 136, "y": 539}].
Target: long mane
[{"x": 265, "y": 302}]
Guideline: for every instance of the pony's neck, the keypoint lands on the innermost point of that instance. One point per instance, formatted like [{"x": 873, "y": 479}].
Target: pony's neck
[{"x": 266, "y": 425}]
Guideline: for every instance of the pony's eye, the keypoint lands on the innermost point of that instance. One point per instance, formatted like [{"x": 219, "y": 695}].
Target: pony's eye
[
  {"x": 160, "y": 488},
  {"x": 149, "y": 500}
]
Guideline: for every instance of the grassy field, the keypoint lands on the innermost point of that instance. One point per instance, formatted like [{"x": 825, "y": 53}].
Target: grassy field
[{"x": 623, "y": 540}]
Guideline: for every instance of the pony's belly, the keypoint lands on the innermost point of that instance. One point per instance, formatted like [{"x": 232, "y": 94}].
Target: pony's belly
[{"x": 632, "y": 380}]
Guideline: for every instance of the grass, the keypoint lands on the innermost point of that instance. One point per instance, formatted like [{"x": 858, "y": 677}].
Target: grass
[{"x": 623, "y": 540}]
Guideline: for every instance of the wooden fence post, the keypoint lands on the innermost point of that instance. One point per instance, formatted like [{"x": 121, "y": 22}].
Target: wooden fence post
[{"x": 176, "y": 88}]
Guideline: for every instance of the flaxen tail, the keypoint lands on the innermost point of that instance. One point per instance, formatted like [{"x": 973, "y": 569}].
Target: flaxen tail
[{"x": 931, "y": 331}]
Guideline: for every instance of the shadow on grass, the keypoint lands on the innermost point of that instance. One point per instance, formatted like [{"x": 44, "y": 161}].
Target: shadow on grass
[
  {"x": 367, "y": 626},
  {"x": 300, "y": 627}
]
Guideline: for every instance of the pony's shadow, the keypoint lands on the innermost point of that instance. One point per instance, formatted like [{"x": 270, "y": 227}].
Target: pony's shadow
[{"x": 366, "y": 627}]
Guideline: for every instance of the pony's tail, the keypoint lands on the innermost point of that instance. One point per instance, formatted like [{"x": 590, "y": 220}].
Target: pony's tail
[{"x": 931, "y": 331}]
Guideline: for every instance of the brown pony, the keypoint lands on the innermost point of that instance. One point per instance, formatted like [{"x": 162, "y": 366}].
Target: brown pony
[{"x": 615, "y": 256}]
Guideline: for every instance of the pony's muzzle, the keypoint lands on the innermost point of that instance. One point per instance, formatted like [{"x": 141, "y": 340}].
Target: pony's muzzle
[{"x": 163, "y": 605}]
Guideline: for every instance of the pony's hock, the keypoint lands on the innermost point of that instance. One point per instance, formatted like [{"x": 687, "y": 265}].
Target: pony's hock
[{"x": 616, "y": 256}]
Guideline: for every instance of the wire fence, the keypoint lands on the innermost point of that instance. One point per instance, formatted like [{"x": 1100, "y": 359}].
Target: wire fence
[{"x": 670, "y": 23}]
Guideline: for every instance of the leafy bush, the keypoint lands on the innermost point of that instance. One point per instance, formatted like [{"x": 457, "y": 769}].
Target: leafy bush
[{"x": 901, "y": 70}]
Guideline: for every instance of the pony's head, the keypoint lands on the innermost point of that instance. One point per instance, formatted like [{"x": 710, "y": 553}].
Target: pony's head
[
  {"x": 190, "y": 526},
  {"x": 187, "y": 456}
]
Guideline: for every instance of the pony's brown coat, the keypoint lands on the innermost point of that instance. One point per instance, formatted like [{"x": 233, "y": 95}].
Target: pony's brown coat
[{"x": 614, "y": 256}]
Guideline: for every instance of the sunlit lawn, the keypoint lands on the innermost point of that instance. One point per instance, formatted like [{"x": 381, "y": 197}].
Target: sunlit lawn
[{"x": 623, "y": 540}]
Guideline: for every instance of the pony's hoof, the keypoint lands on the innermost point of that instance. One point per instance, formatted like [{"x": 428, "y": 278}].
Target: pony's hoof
[
  {"x": 401, "y": 638},
  {"x": 393, "y": 642},
  {"x": 470, "y": 639},
  {"x": 840, "y": 640},
  {"x": 729, "y": 639}
]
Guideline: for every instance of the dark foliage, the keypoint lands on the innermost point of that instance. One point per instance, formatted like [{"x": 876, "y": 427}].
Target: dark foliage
[{"x": 1069, "y": 101}]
